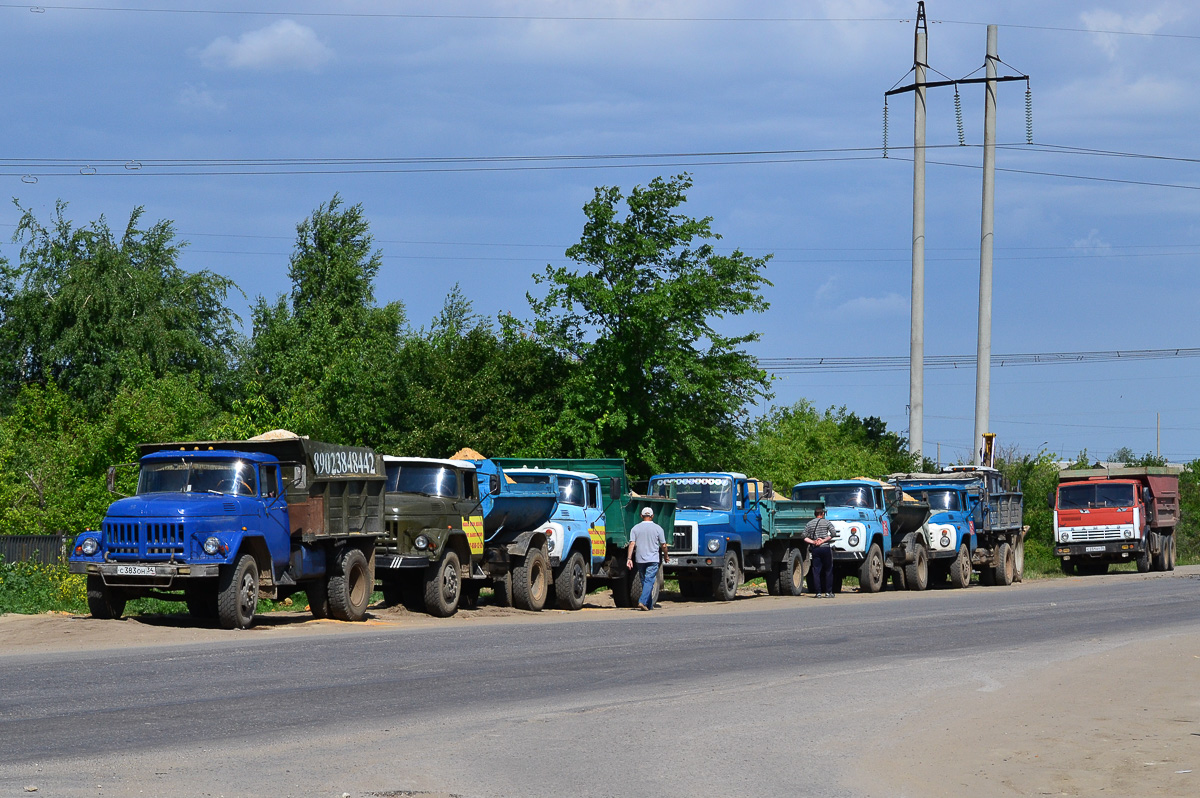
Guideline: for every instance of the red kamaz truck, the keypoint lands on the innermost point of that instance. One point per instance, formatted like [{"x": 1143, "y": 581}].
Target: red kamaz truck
[{"x": 1107, "y": 515}]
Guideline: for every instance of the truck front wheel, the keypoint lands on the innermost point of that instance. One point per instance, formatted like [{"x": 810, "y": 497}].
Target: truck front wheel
[
  {"x": 350, "y": 591},
  {"x": 728, "y": 578},
  {"x": 1144, "y": 558},
  {"x": 871, "y": 574},
  {"x": 570, "y": 586},
  {"x": 237, "y": 595},
  {"x": 443, "y": 586},
  {"x": 104, "y": 602},
  {"x": 916, "y": 573},
  {"x": 531, "y": 581}
]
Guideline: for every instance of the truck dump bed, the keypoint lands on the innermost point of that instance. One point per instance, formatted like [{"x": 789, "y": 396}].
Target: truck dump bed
[
  {"x": 514, "y": 506},
  {"x": 1163, "y": 482},
  {"x": 330, "y": 490},
  {"x": 786, "y": 518},
  {"x": 1001, "y": 509}
]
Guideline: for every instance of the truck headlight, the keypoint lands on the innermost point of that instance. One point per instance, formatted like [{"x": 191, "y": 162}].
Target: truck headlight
[
  {"x": 853, "y": 541},
  {"x": 549, "y": 544},
  {"x": 89, "y": 546},
  {"x": 212, "y": 546},
  {"x": 945, "y": 541},
  {"x": 421, "y": 542},
  {"x": 714, "y": 544},
  {"x": 1066, "y": 536},
  {"x": 1128, "y": 533}
]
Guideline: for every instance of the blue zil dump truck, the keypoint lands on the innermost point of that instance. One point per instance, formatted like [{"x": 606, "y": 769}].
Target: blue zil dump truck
[
  {"x": 728, "y": 528},
  {"x": 220, "y": 524},
  {"x": 868, "y": 515},
  {"x": 608, "y": 530},
  {"x": 975, "y": 523}
]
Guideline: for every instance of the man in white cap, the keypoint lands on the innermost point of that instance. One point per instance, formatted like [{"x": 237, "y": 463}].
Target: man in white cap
[{"x": 647, "y": 546}]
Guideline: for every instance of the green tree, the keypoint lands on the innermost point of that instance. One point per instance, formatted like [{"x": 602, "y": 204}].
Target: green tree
[
  {"x": 90, "y": 311},
  {"x": 324, "y": 354},
  {"x": 653, "y": 379},
  {"x": 798, "y": 443}
]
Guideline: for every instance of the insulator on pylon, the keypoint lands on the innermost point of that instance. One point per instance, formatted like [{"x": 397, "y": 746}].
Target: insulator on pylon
[
  {"x": 962, "y": 139},
  {"x": 1028, "y": 114},
  {"x": 885, "y": 127}
]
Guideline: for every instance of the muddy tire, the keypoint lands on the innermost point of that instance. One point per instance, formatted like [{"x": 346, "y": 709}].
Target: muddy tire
[
  {"x": 1171, "y": 552},
  {"x": 104, "y": 602},
  {"x": 350, "y": 591},
  {"x": 620, "y": 591},
  {"x": 871, "y": 574},
  {"x": 531, "y": 581},
  {"x": 1144, "y": 559},
  {"x": 1019, "y": 560},
  {"x": 237, "y": 594},
  {"x": 789, "y": 579},
  {"x": 443, "y": 586},
  {"x": 570, "y": 586},
  {"x": 898, "y": 580},
  {"x": 728, "y": 578},
  {"x": 318, "y": 597},
  {"x": 960, "y": 569},
  {"x": 916, "y": 573},
  {"x": 1067, "y": 567},
  {"x": 201, "y": 601},
  {"x": 1005, "y": 565}
]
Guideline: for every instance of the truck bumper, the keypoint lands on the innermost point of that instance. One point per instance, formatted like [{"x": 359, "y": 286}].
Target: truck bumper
[
  {"x": 398, "y": 561},
  {"x": 848, "y": 556},
  {"x": 1108, "y": 550},
  {"x": 162, "y": 575},
  {"x": 688, "y": 562}
]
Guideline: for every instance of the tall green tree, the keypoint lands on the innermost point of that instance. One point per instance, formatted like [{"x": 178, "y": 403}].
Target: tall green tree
[
  {"x": 654, "y": 379},
  {"x": 90, "y": 310},
  {"x": 325, "y": 351}
]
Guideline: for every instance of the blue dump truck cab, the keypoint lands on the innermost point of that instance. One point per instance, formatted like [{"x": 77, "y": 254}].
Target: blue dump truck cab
[
  {"x": 943, "y": 546},
  {"x": 219, "y": 524},
  {"x": 858, "y": 510},
  {"x": 728, "y": 526},
  {"x": 574, "y": 529}
]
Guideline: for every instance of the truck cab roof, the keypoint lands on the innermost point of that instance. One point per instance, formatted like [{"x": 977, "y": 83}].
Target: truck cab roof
[
  {"x": 553, "y": 472},
  {"x": 730, "y": 474},
  {"x": 210, "y": 454},
  {"x": 466, "y": 465}
]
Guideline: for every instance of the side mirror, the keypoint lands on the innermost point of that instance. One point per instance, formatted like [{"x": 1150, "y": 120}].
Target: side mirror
[
  {"x": 614, "y": 488},
  {"x": 1145, "y": 495},
  {"x": 1050, "y": 500},
  {"x": 494, "y": 484},
  {"x": 110, "y": 479},
  {"x": 768, "y": 489}
]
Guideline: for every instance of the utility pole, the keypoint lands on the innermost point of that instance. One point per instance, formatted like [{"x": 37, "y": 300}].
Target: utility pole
[
  {"x": 916, "y": 349},
  {"x": 1158, "y": 434},
  {"x": 983, "y": 361}
]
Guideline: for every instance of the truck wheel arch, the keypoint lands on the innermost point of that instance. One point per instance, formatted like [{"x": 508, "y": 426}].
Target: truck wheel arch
[{"x": 256, "y": 547}]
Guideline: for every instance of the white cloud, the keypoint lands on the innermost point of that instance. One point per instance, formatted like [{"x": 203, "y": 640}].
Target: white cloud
[
  {"x": 198, "y": 98},
  {"x": 1102, "y": 20},
  {"x": 280, "y": 45},
  {"x": 1093, "y": 244},
  {"x": 888, "y": 305}
]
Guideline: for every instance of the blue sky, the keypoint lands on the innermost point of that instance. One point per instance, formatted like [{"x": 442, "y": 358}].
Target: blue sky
[{"x": 1080, "y": 264}]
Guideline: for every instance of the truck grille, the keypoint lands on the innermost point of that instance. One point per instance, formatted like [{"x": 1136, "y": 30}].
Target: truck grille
[
  {"x": 1093, "y": 534},
  {"x": 683, "y": 540},
  {"x": 144, "y": 540}
]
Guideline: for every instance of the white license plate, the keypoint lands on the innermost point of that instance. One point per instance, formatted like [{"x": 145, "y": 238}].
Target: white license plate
[
  {"x": 1094, "y": 548},
  {"x": 671, "y": 561},
  {"x": 135, "y": 570}
]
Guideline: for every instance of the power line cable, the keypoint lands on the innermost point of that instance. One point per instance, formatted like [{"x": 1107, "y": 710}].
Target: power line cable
[{"x": 785, "y": 365}]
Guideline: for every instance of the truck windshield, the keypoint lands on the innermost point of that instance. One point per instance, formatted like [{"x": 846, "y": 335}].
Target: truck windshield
[
  {"x": 697, "y": 493},
  {"x": 1086, "y": 497},
  {"x": 426, "y": 479},
  {"x": 232, "y": 477},
  {"x": 940, "y": 499},
  {"x": 835, "y": 495},
  {"x": 570, "y": 491}
]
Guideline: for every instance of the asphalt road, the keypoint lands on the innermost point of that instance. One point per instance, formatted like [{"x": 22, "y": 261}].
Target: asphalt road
[{"x": 765, "y": 697}]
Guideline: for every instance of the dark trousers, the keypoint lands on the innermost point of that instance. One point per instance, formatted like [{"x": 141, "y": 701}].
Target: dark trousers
[{"x": 822, "y": 566}]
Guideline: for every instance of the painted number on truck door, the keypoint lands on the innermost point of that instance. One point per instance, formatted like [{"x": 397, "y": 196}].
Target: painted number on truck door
[
  {"x": 473, "y": 526},
  {"x": 597, "y": 535}
]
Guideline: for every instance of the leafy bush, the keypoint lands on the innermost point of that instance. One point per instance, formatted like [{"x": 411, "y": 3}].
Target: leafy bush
[{"x": 31, "y": 587}]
